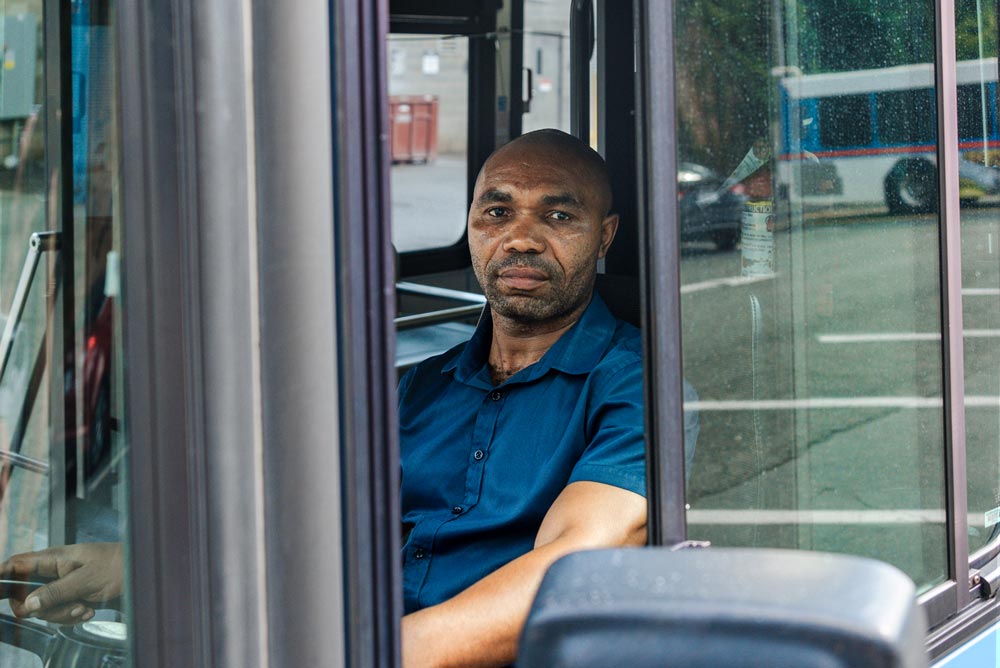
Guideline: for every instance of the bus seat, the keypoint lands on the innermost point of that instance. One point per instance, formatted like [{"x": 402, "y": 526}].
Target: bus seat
[
  {"x": 739, "y": 608},
  {"x": 621, "y": 294}
]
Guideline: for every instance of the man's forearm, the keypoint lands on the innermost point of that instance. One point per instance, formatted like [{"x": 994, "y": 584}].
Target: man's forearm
[{"x": 480, "y": 626}]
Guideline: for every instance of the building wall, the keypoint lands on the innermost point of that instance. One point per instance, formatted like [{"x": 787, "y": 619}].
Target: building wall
[{"x": 439, "y": 66}]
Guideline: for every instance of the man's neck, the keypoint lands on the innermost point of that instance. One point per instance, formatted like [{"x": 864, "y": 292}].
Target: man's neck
[{"x": 517, "y": 345}]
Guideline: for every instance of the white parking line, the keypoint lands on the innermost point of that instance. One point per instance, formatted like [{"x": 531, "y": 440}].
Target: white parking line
[
  {"x": 728, "y": 281},
  {"x": 758, "y": 517},
  {"x": 826, "y": 403},
  {"x": 980, "y": 292},
  {"x": 883, "y": 337}
]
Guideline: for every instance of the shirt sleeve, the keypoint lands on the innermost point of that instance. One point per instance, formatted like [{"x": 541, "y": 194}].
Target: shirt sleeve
[{"x": 616, "y": 449}]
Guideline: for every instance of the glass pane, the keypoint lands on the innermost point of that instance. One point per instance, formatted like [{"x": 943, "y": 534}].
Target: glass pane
[
  {"x": 546, "y": 55},
  {"x": 811, "y": 277},
  {"x": 547, "y": 68},
  {"x": 428, "y": 115},
  {"x": 979, "y": 187},
  {"x": 62, "y": 447}
]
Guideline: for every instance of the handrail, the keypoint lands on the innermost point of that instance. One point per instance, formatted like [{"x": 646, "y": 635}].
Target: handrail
[
  {"x": 434, "y": 291},
  {"x": 24, "y": 462},
  {"x": 420, "y": 319},
  {"x": 38, "y": 243}
]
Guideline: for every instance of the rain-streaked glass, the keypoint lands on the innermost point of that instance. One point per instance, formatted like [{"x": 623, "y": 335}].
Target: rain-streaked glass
[
  {"x": 811, "y": 307},
  {"x": 979, "y": 188}
]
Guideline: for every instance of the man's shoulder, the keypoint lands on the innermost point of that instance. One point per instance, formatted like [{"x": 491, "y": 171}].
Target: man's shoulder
[{"x": 624, "y": 349}]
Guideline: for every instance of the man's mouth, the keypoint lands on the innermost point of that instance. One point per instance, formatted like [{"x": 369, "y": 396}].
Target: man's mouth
[{"x": 522, "y": 278}]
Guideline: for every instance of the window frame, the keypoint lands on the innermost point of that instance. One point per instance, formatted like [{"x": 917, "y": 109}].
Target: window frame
[
  {"x": 212, "y": 387},
  {"x": 953, "y": 612},
  {"x": 456, "y": 18}
]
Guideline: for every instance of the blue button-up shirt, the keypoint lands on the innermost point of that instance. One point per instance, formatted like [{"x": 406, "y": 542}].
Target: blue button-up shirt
[{"x": 481, "y": 465}]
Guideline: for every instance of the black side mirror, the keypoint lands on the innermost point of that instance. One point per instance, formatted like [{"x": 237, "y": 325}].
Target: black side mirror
[{"x": 713, "y": 607}]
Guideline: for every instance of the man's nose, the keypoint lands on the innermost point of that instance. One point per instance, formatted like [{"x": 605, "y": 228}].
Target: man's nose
[{"x": 524, "y": 236}]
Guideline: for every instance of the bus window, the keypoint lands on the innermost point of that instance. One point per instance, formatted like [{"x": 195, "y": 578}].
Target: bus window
[
  {"x": 546, "y": 56},
  {"x": 63, "y": 482},
  {"x": 547, "y": 63},
  {"x": 814, "y": 340},
  {"x": 971, "y": 105},
  {"x": 845, "y": 120},
  {"x": 905, "y": 117},
  {"x": 980, "y": 276},
  {"x": 428, "y": 117}
]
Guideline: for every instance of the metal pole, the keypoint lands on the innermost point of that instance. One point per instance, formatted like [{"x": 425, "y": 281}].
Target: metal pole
[{"x": 38, "y": 243}]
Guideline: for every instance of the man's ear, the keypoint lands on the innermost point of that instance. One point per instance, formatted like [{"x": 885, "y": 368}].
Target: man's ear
[{"x": 608, "y": 228}]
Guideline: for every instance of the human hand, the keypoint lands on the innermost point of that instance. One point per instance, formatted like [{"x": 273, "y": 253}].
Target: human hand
[{"x": 83, "y": 577}]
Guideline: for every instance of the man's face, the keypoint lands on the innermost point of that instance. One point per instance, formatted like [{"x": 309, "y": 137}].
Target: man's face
[{"x": 537, "y": 227}]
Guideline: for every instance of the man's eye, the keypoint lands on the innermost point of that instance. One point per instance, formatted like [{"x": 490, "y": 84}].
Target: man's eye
[
  {"x": 560, "y": 216},
  {"x": 496, "y": 212}
]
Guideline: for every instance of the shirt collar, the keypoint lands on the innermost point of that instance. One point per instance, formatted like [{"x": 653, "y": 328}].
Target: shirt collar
[{"x": 577, "y": 351}]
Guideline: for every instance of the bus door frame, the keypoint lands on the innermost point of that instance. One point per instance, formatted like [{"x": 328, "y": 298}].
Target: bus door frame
[
  {"x": 953, "y": 608},
  {"x": 659, "y": 267},
  {"x": 495, "y": 31}
]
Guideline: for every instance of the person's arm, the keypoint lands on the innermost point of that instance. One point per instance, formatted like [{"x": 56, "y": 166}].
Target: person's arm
[
  {"x": 83, "y": 577},
  {"x": 480, "y": 626}
]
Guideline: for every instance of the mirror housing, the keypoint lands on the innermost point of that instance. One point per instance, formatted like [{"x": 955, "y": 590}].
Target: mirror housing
[{"x": 739, "y": 608}]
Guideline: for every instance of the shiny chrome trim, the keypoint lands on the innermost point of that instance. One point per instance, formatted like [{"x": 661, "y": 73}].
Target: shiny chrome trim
[{"x": 406, "y": 288}]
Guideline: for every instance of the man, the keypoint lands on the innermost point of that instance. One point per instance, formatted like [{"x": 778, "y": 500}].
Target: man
[
  {"x": 526, "y": 443},
  {"x": 518, "y": 447}
]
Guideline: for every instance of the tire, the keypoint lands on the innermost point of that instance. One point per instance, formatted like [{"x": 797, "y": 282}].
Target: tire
[{"x": 911, "y": 187}]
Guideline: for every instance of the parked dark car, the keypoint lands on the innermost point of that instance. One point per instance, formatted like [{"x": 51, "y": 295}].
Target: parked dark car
[{"x": 708, "y": 211}]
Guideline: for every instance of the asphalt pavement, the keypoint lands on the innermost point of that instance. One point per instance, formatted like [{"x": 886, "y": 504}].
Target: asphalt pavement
[
  {"x": 429, "y": 203},
  {"x": 822, "y": 423}
]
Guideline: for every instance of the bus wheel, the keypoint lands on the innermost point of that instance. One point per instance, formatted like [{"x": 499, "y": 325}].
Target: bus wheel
[{"x": 911, "y": 187}]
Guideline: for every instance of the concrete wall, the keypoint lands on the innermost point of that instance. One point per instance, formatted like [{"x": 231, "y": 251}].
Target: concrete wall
[{"x": 411, "y": 61}]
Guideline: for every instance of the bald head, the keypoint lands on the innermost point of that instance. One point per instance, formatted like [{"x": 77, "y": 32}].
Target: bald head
[{"x": 585, "y": 161}]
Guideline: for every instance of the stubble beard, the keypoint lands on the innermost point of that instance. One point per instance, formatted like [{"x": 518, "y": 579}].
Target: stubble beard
[{"x": 562, "y": 298}]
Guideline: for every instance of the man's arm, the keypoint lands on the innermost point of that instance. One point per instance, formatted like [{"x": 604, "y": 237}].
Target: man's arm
[{"x": 480, "y": 626}]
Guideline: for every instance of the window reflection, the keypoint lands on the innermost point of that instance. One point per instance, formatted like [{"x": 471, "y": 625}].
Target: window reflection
[
  {"x": 62, "y": 447},
  {"x": 978, "y": 188},
  {"x": 814, "y": 344}
]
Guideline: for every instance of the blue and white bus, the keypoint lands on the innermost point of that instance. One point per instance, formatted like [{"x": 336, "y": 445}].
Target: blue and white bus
[{"x": 867, "y": 137}]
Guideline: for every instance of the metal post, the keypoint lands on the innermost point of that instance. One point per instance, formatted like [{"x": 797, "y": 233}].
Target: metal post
[
  {"x": 38, "y": 243},
  {"x": 660, "y": 272},
  {"x": 951, "y": 273}
]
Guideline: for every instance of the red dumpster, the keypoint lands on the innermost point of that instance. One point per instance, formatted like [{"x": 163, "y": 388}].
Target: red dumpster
[{"x": 413, "y": 122}]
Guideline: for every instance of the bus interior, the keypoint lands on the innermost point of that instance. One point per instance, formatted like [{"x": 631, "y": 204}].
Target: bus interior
[{"x": 809, "y": 242}]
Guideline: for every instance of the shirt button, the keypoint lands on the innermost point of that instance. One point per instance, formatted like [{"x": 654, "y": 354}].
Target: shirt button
[
  {"x": 478, "y": 455},
  {"x": 495, "y": 395},
  {"x": 457, "y": 510},
  {"x": 419, "y": 553}
]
